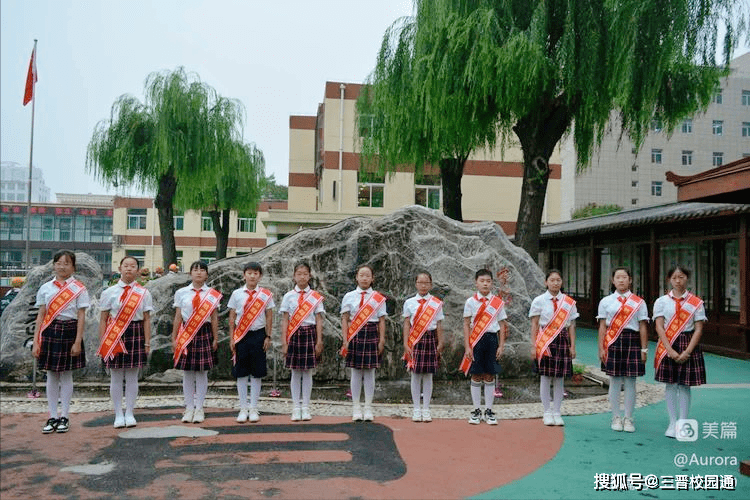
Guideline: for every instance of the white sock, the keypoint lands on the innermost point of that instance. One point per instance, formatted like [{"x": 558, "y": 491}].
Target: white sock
[
  {"x": 489, "y": 394},
  {"x": 476, "y": 393},
  {"x": 544, "y": 394},
  {"x": 53, "y": 392},
  {"x": 201, "y": 387},
  {"x": 255, "y": 384},
  {"x": 368, "y": 380},
  {"x": 356, "y": 384},
  {"x": 307, "y": 384},
  {"x": 426, "y": 390},
  {"x": 66, "y": 391},
  {"x": 557, "y": 385},
  {"x": 188, "y": 388},
  {"x": 629, "y": 396},
  {"x": 131, "y": 390},
  {"x": 117, "y": 377},
  {"x": 684, "y": 399},
  {"x": 615, "y": 384},
  {"x": 416, "y": 379},
  {"x": 242, "y": 391},
  {"x": 670, "y": 398},
  {"x": 295, "y": 385}
]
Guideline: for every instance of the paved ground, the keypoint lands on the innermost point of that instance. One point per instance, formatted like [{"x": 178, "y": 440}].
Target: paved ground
[{"x": 331, "y": 457}]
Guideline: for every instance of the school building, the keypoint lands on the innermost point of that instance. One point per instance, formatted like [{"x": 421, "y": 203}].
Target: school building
[{"x": 327, "y": 183}]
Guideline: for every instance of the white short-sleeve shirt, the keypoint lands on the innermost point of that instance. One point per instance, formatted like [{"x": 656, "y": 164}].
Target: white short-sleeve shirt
[
  {"x": 665, "y": 307},
  {"x": 110, "y": 301},
  {"x": 544, "y": 307},
  {"x": 48, "y": 290},
  {"x": 472, "y": 306},
  {"x": 610, "y": 304},
  {"x": 237, "y": 302},
  {"x": 350, "y": 304},
  {"x": 183, "y": 298},
  {"x": 410, "y": 309},
  {"x": 289, "y": 305}
]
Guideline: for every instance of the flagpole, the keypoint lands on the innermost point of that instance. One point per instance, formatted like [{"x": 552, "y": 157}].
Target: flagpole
[{"x": 31, "y": 160}]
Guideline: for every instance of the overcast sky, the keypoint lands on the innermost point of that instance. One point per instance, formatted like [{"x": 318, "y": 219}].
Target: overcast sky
[{"x": 274, "y": 56}]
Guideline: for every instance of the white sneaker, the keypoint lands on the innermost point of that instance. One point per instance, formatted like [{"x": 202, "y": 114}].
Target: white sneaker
[
  {"x": 489, "y": 417},
  {"x": 119, "y": 421},
  {"x": 670, "y": 431},
  {"x": 253, "y": 415},
  {"x": 306, "y": 413},
  {"x": 416, "y": 415},
  {"x": 357, "y": 413},
  {"x": 242, "y": 417},
  {"x": 627, "y": 425},
  {"x": 130, "y": 421},
  {"x": 198, "y": 416},
  {"x": 475, "y": 417},
  {"x": 296, "y": 414},
  {"x": 426, "y": 417},
  {"x": 368, "y": 416},
  {"x": 187, "y": 417},
  {"x": 548, "y": 419},
  {"x": 558, "y": 419},
  {"x": 616, "y": 423}
]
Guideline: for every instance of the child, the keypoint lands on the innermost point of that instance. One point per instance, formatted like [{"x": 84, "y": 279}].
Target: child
[
  {"x": 623, "y": 344},
  {"x": 423, "y": 343},
  {"x": 484, "y": 342},
  {"x": 363, "y": 328},
  {"x": 195, "y": 338},
  {"x": 679, "y": 317},
  {"x": 301, "y": 338},
  {"x": 553, "y": 327},
  {"x": 250, "y": 325},
  {"x": 58, "y": 336},
  {"x": 125, "y": 333}
]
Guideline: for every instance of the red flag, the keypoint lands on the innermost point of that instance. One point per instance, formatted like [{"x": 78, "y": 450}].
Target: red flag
[{"x": 31, "y": 79}]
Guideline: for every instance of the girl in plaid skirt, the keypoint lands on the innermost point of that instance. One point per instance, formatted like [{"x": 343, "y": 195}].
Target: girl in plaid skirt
[
  {"x": 136, "y": 338},
  {"x": 365, "y": 348},
  {"x": 59, "y": 347},
  {"x": 303, "y": 349},
  {"x": 625, "y": 358},
  {"x": 201, "y": 351},
  {"x": 425, "y": 354},
  {"x": 559, "y": 364},
  {"x": 683, "y": 365}
]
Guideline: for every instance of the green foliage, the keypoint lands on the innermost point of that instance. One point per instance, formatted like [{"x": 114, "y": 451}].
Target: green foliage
[
  {"x": 274, "y": 191},
  {"x": 593, "y": 209}
]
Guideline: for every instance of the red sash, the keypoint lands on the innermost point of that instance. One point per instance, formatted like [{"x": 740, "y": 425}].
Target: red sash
[
  {"x": 111, "y": 345},
  {"x": 621, "y": 318},
  {"x": 309, "y": 303},
  {"x": 554, "y": 327},
  {"x": 677, "y": 325},
  {"x": 419, "y": 327},
  {"x": 368, "y": 309},
  {"x": 60, "y": 301},
  {"x": 250, "y": 313},
  {"x": 485, "y": 315},
  {"x": 188, "y": 330}
]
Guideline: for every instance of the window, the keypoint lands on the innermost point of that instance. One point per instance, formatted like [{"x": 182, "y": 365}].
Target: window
[
  {"x": 371, "y": 189},
  {"x": 634, "y": 184},
  {"x": 246, "y": 224},
  {"x": 718, "y": 99},
  {"x": 745, "y": 129},
  {"x": 718, "y": 159},
  {"x": 179, "y": 220},
  {"x": 65, "y": 226},
  {"x": 687, "y": 157},
  {"x": 746, "y": 97},
  {"x": 136, "y": 218},
  {"x": 207, "y": 256},
  {"x": 687, "y": 126},
  {"x": 576, "y": 264},
  {"x": 718, "y": 127},
  {"x": 206, "y": 223},
  {"x": 656, "y": 156},
  {"x": 366, "y": 124},
  {"x": 656, "y": 125},
  {"x": 655, "y": 188},
  {"x": 140, "y": 256},
  {"x": 427, "y": 191},
  {"x": 634, "y": 201}
]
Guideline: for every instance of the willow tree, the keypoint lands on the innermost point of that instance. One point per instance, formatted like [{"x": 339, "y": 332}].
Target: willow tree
[
  {"x": 535, "y": 68},
  {"x": 181, "y": 133},
  {"x": 237, "y": 185}
]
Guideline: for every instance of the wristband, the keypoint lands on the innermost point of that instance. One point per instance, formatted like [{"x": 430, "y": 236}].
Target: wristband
[{"x": 645, "y": 350}]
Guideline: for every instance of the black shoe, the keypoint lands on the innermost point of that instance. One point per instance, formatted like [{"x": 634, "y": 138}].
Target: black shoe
[
  {"x": 50, "y": 426},
  {"x": 63, "y": 424}
]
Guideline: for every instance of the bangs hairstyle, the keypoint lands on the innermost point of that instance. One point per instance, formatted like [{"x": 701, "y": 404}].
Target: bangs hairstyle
[
  {"x": 551, "y": 272},
  {"x": 482, "y": 272},
  {"x": 199, "y": 264},
  {"x": 423, "y": 273},
  {"x": 627, "y": 270},
  {"x": 253, "y": 266},
  {"x": 676, "y": 268},
  {"x": 59, "y": 254},
  {"x": 302, "y": 264},
  {"x": 137, "y": 263},
  {"x": 363, "y": 266}
]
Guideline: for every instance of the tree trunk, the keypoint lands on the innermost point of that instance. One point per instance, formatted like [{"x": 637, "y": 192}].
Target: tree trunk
[
  {"x": 164, "y": 204},
  {"x": 221, "y": 230},
  {"x": 451, "y": 172}
]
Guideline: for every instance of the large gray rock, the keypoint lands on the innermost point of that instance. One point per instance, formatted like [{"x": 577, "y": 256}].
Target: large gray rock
[{"x": 18, "y": 320}]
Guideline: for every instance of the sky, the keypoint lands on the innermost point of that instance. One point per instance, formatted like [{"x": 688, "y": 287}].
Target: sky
[{"x": 274, "y": 56}]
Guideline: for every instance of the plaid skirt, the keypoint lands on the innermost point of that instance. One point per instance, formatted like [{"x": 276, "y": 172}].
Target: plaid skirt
[
  {"x": 363, "y": 348},
  {"x": 251, "y": 358},
  {"x": 199, "y": 356},
  {"x": 135, "y": 345},
  {"x": 57, "y": 341},
  {"x": 300, "y": 353},
  {"x": 559, "y": 363},
  {"x": 691, "y": 372},
  {"x": 425, "y": 354},
  {"x": 624, "y": 356}
]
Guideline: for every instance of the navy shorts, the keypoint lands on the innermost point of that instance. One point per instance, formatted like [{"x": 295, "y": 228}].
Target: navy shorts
[
  {"x": 485, "y": 351},
  {"x": 250, "y": 357}
]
